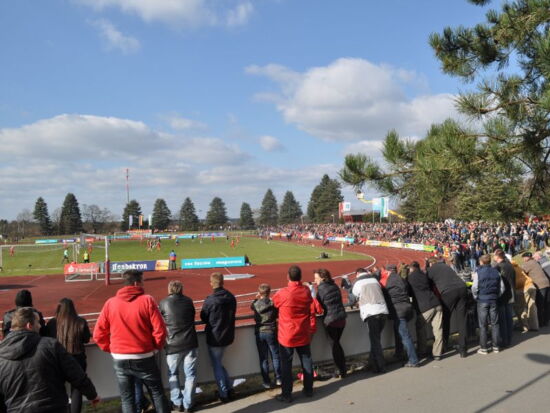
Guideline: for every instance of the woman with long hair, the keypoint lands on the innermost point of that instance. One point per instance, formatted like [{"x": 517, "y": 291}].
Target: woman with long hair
[
  {"x": 72, "y": 332},
  {"x": 334, "y": 318}
]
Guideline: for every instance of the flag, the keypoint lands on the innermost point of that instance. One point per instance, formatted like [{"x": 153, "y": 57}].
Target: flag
[
  {"x": 130, "y": 221},
  {"x": 384, "y": 206},
  {"x": 140, "y": 220},
  {"x": 377, "y": 204}
]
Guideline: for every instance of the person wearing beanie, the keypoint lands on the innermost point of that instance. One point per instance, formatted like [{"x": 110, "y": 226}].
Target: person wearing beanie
[{"x": 23, "y": 298}]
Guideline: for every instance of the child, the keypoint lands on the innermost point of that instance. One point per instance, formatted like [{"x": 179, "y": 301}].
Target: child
[{"x": 265, "y": 315}]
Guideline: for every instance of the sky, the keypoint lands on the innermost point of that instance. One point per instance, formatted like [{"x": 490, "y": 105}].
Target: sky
[{"x": 206, "y": 98}]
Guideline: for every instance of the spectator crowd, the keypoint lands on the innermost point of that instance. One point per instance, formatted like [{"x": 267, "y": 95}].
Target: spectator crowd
[{"x": 133, "y": 328}]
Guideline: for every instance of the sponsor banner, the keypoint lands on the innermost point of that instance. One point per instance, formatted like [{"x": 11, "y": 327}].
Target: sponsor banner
[
  {"x": 187, "y": 236},
  {"x": 429, "y": 248},
  {"x": 68, "y": 241},
  {"x": 46, "y": 241},
  {"x": 133, "y": 265},
  {"x": 396, "y": 245},
  {"x": 161, "y": 265},
  {"x": 212, "y": 262},
  {"x": 342, "y": 239},
  {"x": 87, "y": 268},
  {"x": 139, "y": 231}
]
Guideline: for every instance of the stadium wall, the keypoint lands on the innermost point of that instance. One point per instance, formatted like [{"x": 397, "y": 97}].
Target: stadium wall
[{"x": 241, "y": 358}]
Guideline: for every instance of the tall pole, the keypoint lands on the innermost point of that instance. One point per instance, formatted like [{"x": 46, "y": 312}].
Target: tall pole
[{"x": 127, "y": 188}]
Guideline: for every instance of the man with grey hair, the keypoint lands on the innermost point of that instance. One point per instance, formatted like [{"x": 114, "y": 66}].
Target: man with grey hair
[{"x": 181, "y": 346}]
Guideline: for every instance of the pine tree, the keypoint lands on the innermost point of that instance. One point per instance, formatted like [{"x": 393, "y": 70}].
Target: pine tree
[
  {"x": 290, "y": 210},
  {"x": 161, "y": 215},
  {"x": 268, "y": 211},
  {"x": 70, "y": 221},
  {"x": 41, "y": 216},
  {"x": 132, "y": 209},
  {"x": 217, "y": 215},
  {"x": 247, "y": 219},
  {"x": 324, "y": 200},
  {"x": 189, "y": 221}
]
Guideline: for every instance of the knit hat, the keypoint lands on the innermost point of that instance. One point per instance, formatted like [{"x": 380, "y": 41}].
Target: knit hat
[{"x": 23, "y": 299}]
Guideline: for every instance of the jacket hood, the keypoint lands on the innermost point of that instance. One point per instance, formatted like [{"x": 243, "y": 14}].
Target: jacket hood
[
  {"x": 18, "y": 344},
  {"x": 129, "y": 293},
  {"x": 222, "y": 296}
]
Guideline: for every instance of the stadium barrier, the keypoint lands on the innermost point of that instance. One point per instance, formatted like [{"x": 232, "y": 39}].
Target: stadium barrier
[{"x": 241, "y": 357}]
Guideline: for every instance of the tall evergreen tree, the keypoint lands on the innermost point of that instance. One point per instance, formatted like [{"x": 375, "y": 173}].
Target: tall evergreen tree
[
  {"x": 161, "y": 215},
  {"x": 269, "y": 215},
  {"x": 217, "y": 214},
  {"x": 290, "y": 210},
  {"x": 510, "y": 137},
  {"x": 70, "y": 221},
  {"x": 132, "y": 209},
  {"x": 324, "y": 200},
  {"x": 189, "y": 221},
  {"x": 42, "y": 216},
  {"x": 247, "y": 219}
]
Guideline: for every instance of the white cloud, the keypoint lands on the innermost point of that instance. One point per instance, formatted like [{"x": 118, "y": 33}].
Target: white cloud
[
  {"x": 114, "y": 39},
  {"x": 354, "y": 99},
  {"x": 181, "y": 13},
  {"x": 271, "y": 144},
  {"x": 88, "y": 155},
  {"x": 182, "y": 124},
  {"x": 240, "y": 14}
]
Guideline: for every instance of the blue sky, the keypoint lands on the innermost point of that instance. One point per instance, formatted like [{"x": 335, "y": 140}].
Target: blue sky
[{"x": 206, "y": 98}]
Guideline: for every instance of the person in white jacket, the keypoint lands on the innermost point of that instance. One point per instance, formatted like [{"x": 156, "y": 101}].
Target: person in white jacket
[{"x": 374, "y": 311}]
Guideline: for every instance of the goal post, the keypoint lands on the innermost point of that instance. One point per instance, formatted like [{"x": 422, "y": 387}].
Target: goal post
[{"x": 99, "y": 241}]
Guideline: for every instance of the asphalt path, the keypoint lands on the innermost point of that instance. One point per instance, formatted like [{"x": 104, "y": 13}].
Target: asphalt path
[{"x": 515, "y": 380}]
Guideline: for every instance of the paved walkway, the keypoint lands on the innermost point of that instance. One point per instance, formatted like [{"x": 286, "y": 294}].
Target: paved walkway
[{"x": 515, "y": 380}]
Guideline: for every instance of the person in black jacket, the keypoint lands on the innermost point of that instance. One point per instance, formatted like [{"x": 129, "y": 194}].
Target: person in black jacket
[
  {"x": 506, "y": 300},
  {"x": 334, "y": 315},
  {"x": 429, "y": 310},
  {"x": 218, "y": 313},
  {"x": 265, "y": 331},
  {"x": 23, "y": 298},
  {"x": 181, "y": 346},
  {"x": 402, "y": 310},
  {"x": 34, "y": 369},
  {"x": 454, "y": 296}
]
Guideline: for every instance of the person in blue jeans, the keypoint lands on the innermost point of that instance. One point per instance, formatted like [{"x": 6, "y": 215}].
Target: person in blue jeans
[
  {"x": 487, "y": 287},
  {"x": 401, "y": 310},
  {"x": 218, "y": 313},
  {"x": 265, "y": 316},
  {"x": 181, "y": 346}
]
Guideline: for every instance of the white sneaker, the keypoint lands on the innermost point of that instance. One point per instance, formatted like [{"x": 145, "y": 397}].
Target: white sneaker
[{"x": 482, "y": 351}]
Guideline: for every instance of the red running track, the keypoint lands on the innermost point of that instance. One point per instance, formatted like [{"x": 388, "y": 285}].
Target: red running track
[{"x": 89, "y": 297}]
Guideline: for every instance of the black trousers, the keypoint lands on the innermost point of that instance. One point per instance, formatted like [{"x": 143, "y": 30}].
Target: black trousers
[
  {"x": 454, "y": 302},
  {"x": 376, "y": 356},
  {"x": 541, "y": 301},
  {"x": 337, "y": 351}
]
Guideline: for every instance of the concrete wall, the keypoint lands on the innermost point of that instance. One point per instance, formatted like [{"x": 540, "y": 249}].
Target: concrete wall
[{"x": 241, "y": 358}]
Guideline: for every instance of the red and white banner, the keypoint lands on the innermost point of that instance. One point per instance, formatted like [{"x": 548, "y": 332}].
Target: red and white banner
[{"x": 87, "y": 268}]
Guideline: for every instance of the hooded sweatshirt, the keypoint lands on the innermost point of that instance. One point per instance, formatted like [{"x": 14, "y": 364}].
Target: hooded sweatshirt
[
  {"x": 33, "y": 372},
  {"x": 130, "y": 324}
]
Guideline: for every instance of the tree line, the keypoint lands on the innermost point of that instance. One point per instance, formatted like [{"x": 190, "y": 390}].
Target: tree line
[{"x": 71, "y": 219}]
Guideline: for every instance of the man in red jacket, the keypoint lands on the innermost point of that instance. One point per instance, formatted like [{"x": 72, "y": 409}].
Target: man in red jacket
[
  {"x": 131, "y": 328},
  {"x": 295, "y": 306}
]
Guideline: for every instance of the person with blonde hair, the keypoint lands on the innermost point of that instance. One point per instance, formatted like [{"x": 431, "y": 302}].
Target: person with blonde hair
[
  {"x": 265, "y": 331},
  {"x": 218, "y": 313}
]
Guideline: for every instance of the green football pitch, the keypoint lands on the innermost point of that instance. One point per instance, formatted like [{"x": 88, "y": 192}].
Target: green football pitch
[{"x": 48, "y": 259}]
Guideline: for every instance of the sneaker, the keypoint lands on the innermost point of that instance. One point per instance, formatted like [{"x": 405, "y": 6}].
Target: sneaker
[
  {"x": 278, "y": 382},
  {"x": 283, "y": 398},
  {"x": 410, "y": 365},
  {"x": 482, "y": 351},
  {"x": 437, "y": 358},
  {"x": 307, "y": 393},
  {"x": 496, "y": 350},
  {"x": 176, "y": 408},
  {"x": 266, "y": 385}
]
